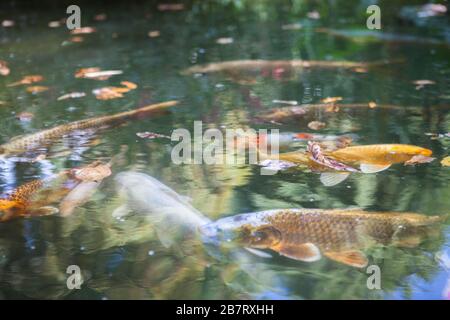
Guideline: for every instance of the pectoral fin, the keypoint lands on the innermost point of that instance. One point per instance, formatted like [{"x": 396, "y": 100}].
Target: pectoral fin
[
  {"x": 259, "y": 253},
  {"x": 307, "y": 252},
  {"x": 330, "y": 179},
  {"x": 351, "y": 258},
  {"x": 373, "y": 168}
]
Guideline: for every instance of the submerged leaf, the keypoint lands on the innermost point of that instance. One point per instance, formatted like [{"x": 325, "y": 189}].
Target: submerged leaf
[
  {"x": 316, "y": 155},
  {"x": 151, "y": 135},
  {"x": 36, "y": 89},
  {"x": 316, "y": 125},
  {"x": 72, "y": 95},
  {"x": 418, "y": 159},
  {"x": 27, "y": 80},
  {"x": 94, "y": 172}
]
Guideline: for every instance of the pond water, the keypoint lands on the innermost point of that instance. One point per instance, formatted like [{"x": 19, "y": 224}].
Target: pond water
[{"x": 124, "y": 258}]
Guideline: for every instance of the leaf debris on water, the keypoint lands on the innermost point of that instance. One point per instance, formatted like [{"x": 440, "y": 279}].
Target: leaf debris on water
[
  {"x": 72, "y": 95},
  {"x": 36, "y": 89},
  {"x": 151, "y": 135},
  {"x": 83, "y": 30},
  {"x": 96, "y": 73},
  {"x": 27, "y": 80},
  {"x": 316, "y": 125},
  {"x": 418, "y": 159},
  {"x": 154, "y": 34}
]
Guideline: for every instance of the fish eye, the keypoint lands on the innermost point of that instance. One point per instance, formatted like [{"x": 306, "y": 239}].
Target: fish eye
[{"x": 265, "y": 236}]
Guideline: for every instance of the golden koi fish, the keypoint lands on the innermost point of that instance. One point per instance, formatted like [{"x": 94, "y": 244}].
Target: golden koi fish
[
  {"x": 369, "y": 158},
  {"x": 21, "y": 144},
  {"x": 307, "y": 234}
]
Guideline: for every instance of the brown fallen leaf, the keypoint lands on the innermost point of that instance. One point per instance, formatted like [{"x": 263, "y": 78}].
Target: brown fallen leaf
[
  {"x": 446, "y": 161},
  {"x": 96, "y": 73},
  {"x": 129, "y": 85},
  {"x": 25, "y": 116},
  {"x": 331, "y": 99},
  {"x": 27, "y": 80},
  {"x": 170, "y": 6},
  {"x": 83, "y": 30},
  {"x": 151, "y": 135},
  {"x": 95, "y": 172},
  {"x": 154, "y": 34},
  {"x": 316, "y": 125},
  {"x": 4, "y": 69},
  {"x": 36, "y": 89},
  {"x": 418, "y": 159},
  {"x": 361, "y": 70},
  {"x": 107, "y": 93}
]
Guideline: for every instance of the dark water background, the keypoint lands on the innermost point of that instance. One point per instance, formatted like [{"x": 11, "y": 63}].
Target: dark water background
[{"x": 125, "y": 259}]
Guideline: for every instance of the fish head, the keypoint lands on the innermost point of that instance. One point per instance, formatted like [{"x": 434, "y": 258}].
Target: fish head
[
  {"x": 244, "y": 229},
  {"x": 9, "y": 209},
  {"x": 412, "y": 150}
]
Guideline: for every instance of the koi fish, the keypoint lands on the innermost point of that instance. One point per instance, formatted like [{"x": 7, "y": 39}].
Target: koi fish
[
  {"x": 257, "y": 65},
  {"x": 307, "y": 234},
  {"x": 30, "y": 142}
]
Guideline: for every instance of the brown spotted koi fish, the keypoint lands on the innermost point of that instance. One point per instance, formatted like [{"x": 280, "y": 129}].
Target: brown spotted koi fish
[
  {"x": 308, "y": 234},
  {"x": 22, "y": 144}
]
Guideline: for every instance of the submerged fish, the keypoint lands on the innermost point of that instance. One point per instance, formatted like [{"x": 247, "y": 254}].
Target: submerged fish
[
  {"x": 25, "y": 201},
  {"x": 261, "y": 65},
  {"x": 22, "y": 144},
  {"x": 307, "y": 234},
  {"x": 369, "y": 158}
]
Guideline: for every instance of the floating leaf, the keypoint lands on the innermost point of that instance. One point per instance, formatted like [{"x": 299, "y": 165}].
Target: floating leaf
[
  {"x": 96, "y": 73},
  {"x": 151, "y": 135},
  {"x": 421, "y": 83},
  {"x": 72, "y": 95},
  {"x": 107, "y": 93},
  {"x": 372, "y": 105},
  {"x": 331, "y": 99},
  {"x": 84, "y": 30},
  {"x": 316, "y": 125},
  {"x": 418, "y": 159},
  {"x": 224, "y": 40},
  {"x": 154, "y": 34},
  {"x": 36, "y": 89},
  {"x": 4, "y": 69},
  {"x": 95, "y": 172},
  {"x": 316, "y": 155},
  {"x": 446, "y": 161},
  {"x": 129, "y": 85},
  {"x": 27, "y": 80}
]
